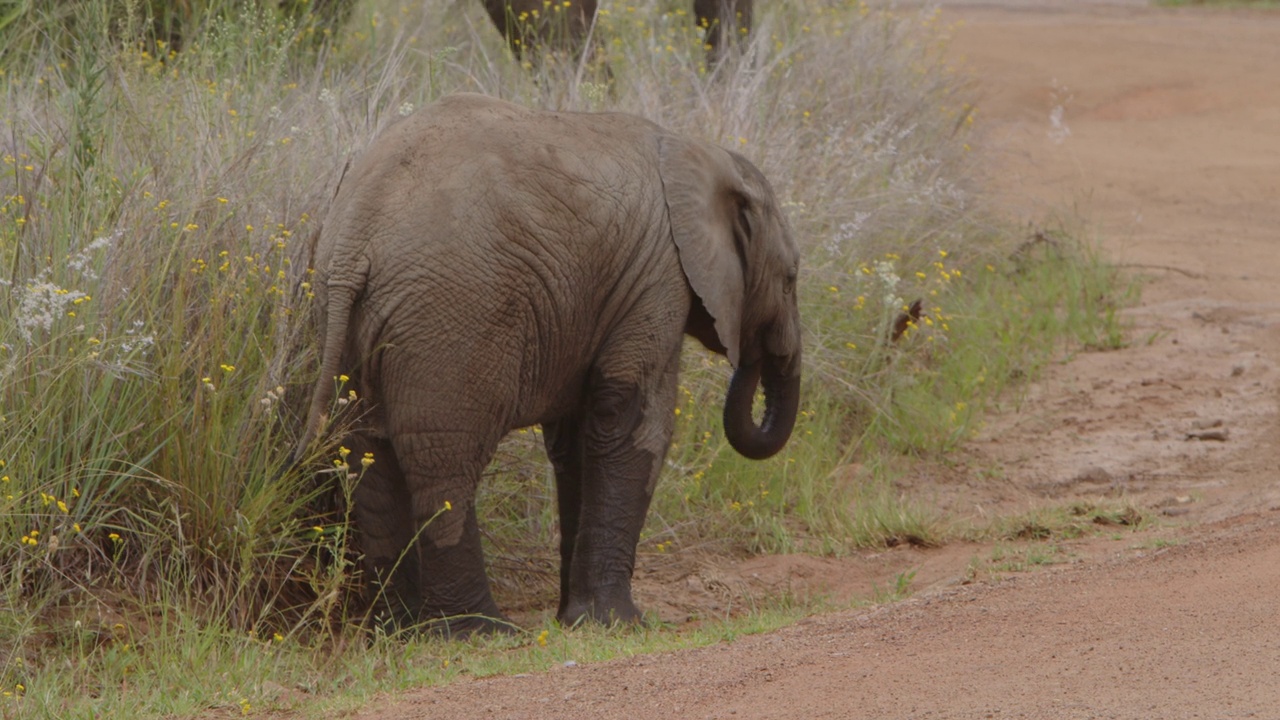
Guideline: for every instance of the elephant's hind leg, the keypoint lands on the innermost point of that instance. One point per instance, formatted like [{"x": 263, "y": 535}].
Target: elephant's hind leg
[
  {"x": 624, "y": 439},
  {"x": 381, "y": 501},
  {"x": 442, "y": 471}
]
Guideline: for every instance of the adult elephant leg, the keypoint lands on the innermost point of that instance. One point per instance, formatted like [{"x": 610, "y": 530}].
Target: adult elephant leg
[
  {"x": 564, "y": 449},
  {"x": 726, "y": 22},
  {"x": 535, "y": 26},
  {"x": 442, "y": 469},
  {"x": 624, "y": 437},
  {"x": 381, "y": 501}
]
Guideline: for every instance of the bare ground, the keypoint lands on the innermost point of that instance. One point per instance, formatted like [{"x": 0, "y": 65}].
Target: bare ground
[{"x": 1168, "y": 142}]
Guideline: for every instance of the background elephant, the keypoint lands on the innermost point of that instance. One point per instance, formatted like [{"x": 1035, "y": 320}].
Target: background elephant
[
  {"x": 529, "y": 24},
  {"x": 486, "y": 267}
]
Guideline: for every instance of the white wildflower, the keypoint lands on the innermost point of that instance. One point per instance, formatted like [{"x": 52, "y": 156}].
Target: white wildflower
[
  {"x": 39, "y": 303},
  {"x": 135, "y": 341},
  {"x": 847, "y": 232},
  {"x": 885, "y": 272},
  {"x": 272, "y": 396},
  {"x": 82, "y": 260}
]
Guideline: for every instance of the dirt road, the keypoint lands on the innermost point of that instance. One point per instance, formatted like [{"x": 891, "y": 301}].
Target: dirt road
[{"x": 1163, "y": 129}]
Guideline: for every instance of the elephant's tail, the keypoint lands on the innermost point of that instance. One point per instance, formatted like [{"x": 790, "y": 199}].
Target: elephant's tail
[{"x": 341, "y": 299}]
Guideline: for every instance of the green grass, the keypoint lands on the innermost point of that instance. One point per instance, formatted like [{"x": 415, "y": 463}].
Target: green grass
[
  {"x": 1013, "y": 559},
  {"x": 155, "y": 352},
  {"x": 1041, "y": 536},
  {"x": 1064, "y": 522},
  {"x": 901, "y": 589},
  {"x": 1159, "y": 543}
]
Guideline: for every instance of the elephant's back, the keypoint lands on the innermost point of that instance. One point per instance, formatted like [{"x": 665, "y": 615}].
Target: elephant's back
[
  {"x": 472, "y": 173},
  {"x": 448, "y": 136}
]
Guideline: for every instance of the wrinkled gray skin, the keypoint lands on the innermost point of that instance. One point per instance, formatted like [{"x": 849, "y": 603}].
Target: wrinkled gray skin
[
  {"x": 725, "y": 21},
  {"x": 486, "y": 267}
]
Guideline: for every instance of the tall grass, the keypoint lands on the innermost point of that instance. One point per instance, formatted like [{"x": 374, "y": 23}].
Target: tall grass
[{"x": 155, "y": 349}]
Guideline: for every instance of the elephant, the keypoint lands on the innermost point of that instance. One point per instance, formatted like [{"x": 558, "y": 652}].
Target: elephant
[
  {"x": 530, "y": 24},
  {"x": 485, "y": 267}
]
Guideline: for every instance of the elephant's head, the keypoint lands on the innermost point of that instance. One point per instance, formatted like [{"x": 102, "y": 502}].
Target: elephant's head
[{"x": 741, "y": 262}]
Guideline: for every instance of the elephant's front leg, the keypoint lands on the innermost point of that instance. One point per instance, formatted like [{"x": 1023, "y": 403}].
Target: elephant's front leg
[{"x": 624, "y": 438}]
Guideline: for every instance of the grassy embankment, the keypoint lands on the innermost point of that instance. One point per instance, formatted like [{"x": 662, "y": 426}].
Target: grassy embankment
[{"x": 153, "y": 347}]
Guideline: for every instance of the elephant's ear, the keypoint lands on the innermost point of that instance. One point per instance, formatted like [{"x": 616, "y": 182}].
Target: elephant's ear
[{"x": 704, "y": 192}]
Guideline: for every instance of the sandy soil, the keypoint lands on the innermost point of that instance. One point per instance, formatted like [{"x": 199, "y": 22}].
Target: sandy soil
[{"x": 1162, "y": 129}]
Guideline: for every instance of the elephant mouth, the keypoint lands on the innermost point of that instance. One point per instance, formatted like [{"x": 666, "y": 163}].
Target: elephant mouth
[{"x": 780, "y": 378}]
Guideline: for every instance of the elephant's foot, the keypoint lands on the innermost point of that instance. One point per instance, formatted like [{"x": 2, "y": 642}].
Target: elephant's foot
[{"x": 606, "y": 609}]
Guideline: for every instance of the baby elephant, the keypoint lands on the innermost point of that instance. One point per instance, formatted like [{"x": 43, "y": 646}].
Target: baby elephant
[{"x": 486, "y": 267}]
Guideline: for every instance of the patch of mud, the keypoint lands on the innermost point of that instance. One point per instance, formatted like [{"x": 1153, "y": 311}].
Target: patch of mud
[
  {"x": 684, "y": 588},
  {"x": 1187, "y": 410},
  {"x": 709, "y": 587}
]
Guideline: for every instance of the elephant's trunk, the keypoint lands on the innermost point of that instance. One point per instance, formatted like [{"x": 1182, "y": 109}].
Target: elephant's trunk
[{"x": 781, "y": 380}]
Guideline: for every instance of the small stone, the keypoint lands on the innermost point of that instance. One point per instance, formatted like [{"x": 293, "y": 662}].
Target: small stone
[
  {"x": 1094, "y": 474},
  {"x": 1216, "y": 435}
]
